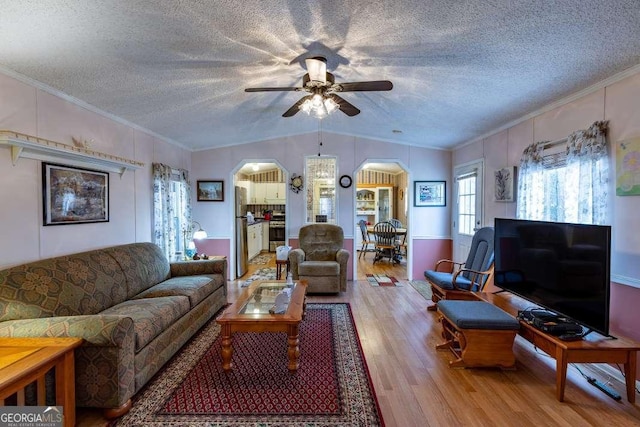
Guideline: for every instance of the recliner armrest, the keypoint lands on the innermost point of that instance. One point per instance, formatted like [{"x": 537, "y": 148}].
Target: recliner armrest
[{"x": 296, "y": 257}]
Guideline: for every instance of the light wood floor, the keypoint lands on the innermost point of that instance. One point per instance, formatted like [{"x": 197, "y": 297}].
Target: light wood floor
[{"x": 415, "y": 386}]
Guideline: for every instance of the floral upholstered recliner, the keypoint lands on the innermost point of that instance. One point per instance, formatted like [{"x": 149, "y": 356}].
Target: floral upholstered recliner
[{"x": 133, "y": 309}]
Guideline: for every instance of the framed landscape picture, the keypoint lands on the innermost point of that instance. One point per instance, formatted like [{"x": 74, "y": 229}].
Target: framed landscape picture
[
  {"x": 210, "y": 191},
  {"x": 73, "y": 195},
  {"x": 430, "y": 193}
]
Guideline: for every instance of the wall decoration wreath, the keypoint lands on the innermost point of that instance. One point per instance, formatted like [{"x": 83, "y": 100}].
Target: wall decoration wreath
[{"x": 296, "y": 183}]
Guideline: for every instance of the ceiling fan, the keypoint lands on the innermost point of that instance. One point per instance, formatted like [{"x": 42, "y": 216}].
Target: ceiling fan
[{"x": 322, "y": 89}]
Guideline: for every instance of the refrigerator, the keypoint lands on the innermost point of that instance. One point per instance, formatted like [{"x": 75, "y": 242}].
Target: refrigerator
[{"x": 242, "y": 252}]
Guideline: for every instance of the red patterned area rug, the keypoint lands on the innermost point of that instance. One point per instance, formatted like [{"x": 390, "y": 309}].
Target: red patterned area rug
[{"x": 332, "y": 386}]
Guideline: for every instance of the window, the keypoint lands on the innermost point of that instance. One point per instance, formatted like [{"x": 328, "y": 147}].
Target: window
[
  {"x": 466, "y": 204},
  {"x": 171, "y": 210},
  {"x": 566, "y": 181},
  {"x": 320, "y": 175}
]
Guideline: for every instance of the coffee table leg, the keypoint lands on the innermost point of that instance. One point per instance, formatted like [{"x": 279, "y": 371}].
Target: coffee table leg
[
  {"x": 294, "y": 350},
  {"x": 227, "y": 350}
]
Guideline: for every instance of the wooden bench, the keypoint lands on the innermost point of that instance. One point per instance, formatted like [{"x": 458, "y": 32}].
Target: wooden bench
[{"x": 478, "y": 333}]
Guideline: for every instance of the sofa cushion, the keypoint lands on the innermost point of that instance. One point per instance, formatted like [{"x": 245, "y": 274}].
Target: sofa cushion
[
  {"x": 151, "y": 316},
  {"x": 196, "y": 288},
  {"x": 144, "y": 265},
  {"x": 318, "y": 268},
  {"x": 83, "y": 283}
]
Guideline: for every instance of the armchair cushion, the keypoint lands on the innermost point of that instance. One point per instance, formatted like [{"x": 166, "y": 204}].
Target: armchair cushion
[{"x": 319, "y": 268}]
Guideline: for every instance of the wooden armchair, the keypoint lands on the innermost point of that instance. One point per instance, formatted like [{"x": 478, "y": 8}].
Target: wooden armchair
[{"x": 452, "y": 280}]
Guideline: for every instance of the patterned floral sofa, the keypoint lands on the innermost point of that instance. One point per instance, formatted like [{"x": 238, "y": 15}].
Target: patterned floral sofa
[{"x": 133, "y": 308}]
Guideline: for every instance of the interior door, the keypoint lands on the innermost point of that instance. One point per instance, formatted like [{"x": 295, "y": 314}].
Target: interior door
[{"x": 468, "y": 208}]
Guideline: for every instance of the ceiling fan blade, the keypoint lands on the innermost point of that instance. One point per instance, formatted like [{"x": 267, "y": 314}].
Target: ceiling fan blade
[
  {"x": 377, "y": 85},
  {"x": 317, "y": 68},
  {"x": 273, "y": 89},
  {"x": 296, "y": 107},
  {"x": 345, "y": 106}
]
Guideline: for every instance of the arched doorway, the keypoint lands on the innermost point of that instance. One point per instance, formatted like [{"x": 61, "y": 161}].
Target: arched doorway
[
  {"x": 260, "y": 195},
  {"x": 381, "y": 195}
]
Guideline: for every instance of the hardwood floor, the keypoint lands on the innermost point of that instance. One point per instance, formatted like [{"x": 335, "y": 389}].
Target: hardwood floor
[{"x": 416, "y": 387}]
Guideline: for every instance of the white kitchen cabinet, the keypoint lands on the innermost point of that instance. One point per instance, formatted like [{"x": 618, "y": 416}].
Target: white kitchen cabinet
[
  {"x": 268, "y": 193},
  {"x": 258, "y": 193},
  {"x": 254, "y": 239},
  {"x": 265, "y": 236},
  {"x": 275, "y": 192}
]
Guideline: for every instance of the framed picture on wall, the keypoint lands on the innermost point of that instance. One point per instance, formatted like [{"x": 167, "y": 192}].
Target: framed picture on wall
[
  {"x": 73, "y": 195},
  {"x": 504, "y": 189},
  {"x": 210, "y": 191},
  {"x": 430, "y": 193}
]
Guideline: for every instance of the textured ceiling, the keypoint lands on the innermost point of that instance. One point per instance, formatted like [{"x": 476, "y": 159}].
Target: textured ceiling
[{"x": 178, "y": 68}]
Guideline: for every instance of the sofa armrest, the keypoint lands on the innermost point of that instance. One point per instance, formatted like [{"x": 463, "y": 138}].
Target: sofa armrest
[
  {"x": 296, "y": 257},
  {"x": 97, "y": 330},
  {"x": 201, "y": 267}
]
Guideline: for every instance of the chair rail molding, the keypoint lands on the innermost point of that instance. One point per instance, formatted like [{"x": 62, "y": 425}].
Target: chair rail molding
[{"x": 32, "y": 147}]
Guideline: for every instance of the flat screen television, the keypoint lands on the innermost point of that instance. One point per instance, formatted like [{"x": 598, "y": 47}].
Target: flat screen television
[{"x": 562, "y": 267}]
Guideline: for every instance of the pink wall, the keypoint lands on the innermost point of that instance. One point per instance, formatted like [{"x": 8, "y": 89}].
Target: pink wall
[
  {"x": 619, "y": 104},
  {"x": 351, "y": 152},
  {"x": 37, "y": 112},
  {"x": 430, "y": 252}
]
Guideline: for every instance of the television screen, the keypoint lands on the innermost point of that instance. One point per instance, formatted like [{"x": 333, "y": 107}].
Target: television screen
[{"x": 560, "y": 266}]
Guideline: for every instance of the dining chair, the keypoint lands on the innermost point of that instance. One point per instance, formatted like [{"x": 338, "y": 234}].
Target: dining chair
[
  {"x": 396, "y": 223},
  {"x": 366, "y": 238},
  {"x": 386, "y": 244}
]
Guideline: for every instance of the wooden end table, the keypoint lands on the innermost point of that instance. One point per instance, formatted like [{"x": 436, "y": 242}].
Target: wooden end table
[
  {"x": 250, "y": 313},
  {"x": 25, "y": 360},
  {"x": 280, "y": 265}
]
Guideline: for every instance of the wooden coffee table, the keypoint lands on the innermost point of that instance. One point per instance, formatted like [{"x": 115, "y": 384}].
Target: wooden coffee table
[
  {"x": 250, "y": 313},
  {"x": 25, "y": 360}
]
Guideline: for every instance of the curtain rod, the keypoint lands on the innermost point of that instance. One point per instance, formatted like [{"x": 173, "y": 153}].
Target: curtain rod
[{"x": 554, "y": 143}]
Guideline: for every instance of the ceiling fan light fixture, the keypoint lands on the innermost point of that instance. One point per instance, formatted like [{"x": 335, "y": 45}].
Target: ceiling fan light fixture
[
  {"x": 306, "y": 106},
  {"x": 330, "y": 105},
  {"x": 316, "y": 101}
]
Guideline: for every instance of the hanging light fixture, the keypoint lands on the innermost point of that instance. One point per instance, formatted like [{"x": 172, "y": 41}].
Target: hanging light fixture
[{"x": 319, "y": 105}]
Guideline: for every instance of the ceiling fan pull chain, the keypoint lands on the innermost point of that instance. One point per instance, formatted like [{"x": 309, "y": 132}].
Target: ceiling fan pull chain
[{"x": 319, "y": 135}]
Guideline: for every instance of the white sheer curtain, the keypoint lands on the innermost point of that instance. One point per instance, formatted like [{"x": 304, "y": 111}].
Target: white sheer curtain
[
  {"x": 171, "y": 209},
  {"x": 571, "y": 186}
]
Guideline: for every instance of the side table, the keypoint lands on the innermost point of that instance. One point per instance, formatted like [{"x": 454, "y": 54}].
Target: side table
[
  {"x": 25, "y": 360},
  {"x": 280, "y": 263}
]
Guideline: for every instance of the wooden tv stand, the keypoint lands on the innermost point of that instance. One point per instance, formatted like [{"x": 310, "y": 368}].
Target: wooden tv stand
[{"x": 594, "y": 348}]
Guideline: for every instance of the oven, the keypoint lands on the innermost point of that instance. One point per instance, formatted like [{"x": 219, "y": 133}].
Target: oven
[{"x": 276, "y": 231}]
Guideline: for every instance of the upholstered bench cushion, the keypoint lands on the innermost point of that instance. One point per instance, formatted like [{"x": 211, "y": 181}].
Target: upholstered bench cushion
[
  {"x": 445, "y": 280},
  {"x": 477, "y": 315},
  {"x": 318, "y": 268}
]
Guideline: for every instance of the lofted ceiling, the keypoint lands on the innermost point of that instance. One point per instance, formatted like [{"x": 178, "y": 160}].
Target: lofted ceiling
[{"x": 178, "y": 68}]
